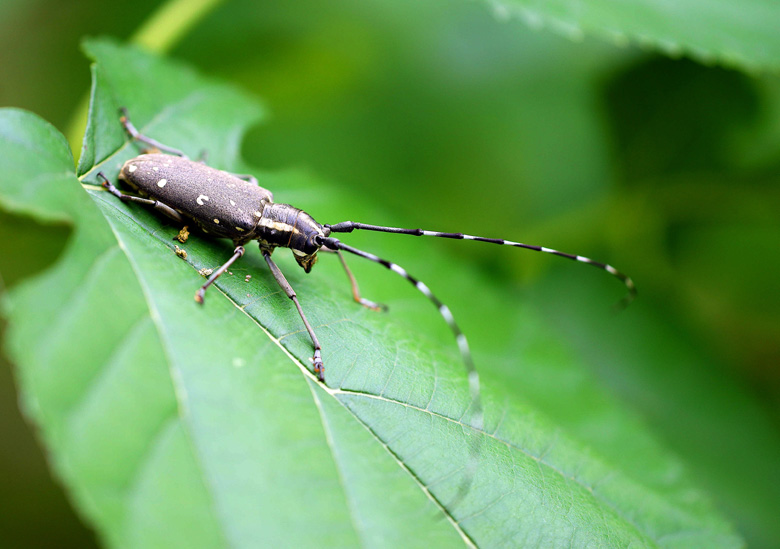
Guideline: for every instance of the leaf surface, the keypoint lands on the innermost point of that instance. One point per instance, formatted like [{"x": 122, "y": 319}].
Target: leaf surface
[
  {"x": 735, "y": 33},
  {"x": 203, "y": 426}
]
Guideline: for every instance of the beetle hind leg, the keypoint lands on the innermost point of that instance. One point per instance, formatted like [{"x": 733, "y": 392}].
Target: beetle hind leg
[{"x": 156, "y": 204}]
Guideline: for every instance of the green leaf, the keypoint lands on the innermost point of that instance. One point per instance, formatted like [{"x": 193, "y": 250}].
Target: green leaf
[
  {"x": 694, "y": 400},
  {"x": 740, "y": 34},
  {"x": 174, "y": 424}
]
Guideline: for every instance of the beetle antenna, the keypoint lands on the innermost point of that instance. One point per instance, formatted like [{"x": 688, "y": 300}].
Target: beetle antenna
[
  {"x": 349, "y": 226},
  {"x": 477, "y": 419}
]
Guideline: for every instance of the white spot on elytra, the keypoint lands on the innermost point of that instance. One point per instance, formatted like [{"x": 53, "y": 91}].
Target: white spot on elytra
[
  {"x": 156, "y": 169},
  {"x": 216, "y": 221},
  {"x": 258, "y": 214},
  {"x": 161, "y": 183},
  {"x": 232, "y": 203},
  {"x": 201, "y": 198},
  {"x": 131, "y": 168}
]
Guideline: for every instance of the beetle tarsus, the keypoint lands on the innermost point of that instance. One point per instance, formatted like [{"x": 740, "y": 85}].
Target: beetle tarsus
[
  {"x": 107, "y": 185},
  {"x": 319, "y": 367},
  {"x": 371, "y": 305}
]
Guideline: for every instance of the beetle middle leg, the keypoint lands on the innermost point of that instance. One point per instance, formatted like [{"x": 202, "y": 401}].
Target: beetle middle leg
[
  {"x": 319, "y": 368},
  {"x": 249, "y": 178},
  {"x": 201, "y": 293},
  {"x": 138, "y": 136}
]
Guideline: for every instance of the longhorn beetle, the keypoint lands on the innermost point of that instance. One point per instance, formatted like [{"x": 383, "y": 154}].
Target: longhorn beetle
[{"x": 234, "y": 206}]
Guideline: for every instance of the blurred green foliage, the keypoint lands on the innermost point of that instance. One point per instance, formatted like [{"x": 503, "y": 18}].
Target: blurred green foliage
[{"x": 455, "y": 119}]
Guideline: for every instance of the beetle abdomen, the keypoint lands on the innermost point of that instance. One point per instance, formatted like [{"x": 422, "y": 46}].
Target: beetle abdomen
[{"x": 217, "y": 201}]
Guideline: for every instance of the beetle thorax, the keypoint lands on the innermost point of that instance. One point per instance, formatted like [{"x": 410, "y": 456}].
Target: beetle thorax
[{"x": 282, "y": 225}]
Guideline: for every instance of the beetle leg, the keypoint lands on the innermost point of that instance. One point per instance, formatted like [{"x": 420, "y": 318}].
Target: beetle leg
[
  {"x": 156, "y": 204},
  {"x": 353, "y": 283},
  {"x": 200, "y": 294},
  {"x": 319, "y": 368},
  {"x": 246, "y": 177},
  {"x": 356, "y": 291},
  {"x": 138, "y": 136}
]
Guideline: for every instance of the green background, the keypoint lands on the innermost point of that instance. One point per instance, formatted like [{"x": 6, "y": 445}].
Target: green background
[{"x": 449, "y": 116}]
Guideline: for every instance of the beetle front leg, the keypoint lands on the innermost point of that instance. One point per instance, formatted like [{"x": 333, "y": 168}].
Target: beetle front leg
[
  {"x": 367, "y": 303},
  {"x": 319, "y": 367},
  {"x": 355, "y": 290}
]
